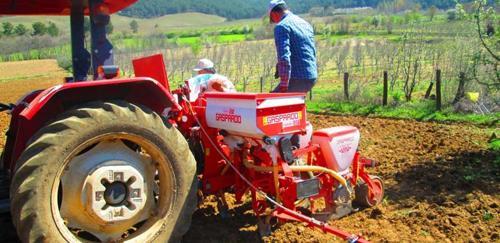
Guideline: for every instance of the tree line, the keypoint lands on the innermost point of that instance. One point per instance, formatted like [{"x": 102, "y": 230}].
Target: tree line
[
  {"x": 37, "y": 29},
  {"x": 241, "y": 9}
]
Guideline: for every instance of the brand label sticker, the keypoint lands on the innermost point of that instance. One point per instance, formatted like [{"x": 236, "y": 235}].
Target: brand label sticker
[
  {"x": 287, "y": 119},
  {"x": 345, "y": 145},
  {"x": 228, "y": 116}
]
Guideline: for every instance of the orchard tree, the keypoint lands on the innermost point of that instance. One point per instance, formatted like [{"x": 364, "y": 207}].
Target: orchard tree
[
  {"x": 485, "y": 13},
  {"x": 39, "y": 28},
  {"x": 134, "y": 26},
  {"x": 432, "y": 11},
  {"x": 20, "y": 29},
  {"x": 488, "y": 55},
  {"x": 53, "y": 30},
  {"x": 8, "y": 28},
  {"x": 389, "y": 25},
  {"x": 451, "y": 15}
]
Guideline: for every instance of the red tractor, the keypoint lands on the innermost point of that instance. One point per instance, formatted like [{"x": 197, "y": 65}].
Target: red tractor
[{"x": 112, "y": 159}]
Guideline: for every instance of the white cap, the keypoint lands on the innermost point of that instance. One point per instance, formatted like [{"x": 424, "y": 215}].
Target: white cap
[
  {"x": 274, "y": 3},
  {"x": 203, "y": 64}
]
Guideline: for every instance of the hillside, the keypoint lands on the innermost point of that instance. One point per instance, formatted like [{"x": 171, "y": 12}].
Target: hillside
[
  {"x": 241, "y": 9},
  {"x": 122, "y": 23}
]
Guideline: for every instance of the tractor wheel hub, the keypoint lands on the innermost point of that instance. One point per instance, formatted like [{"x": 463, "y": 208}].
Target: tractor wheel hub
[
  {"x": 109, "y": 189},
  {"x": 117, "y": 192}
]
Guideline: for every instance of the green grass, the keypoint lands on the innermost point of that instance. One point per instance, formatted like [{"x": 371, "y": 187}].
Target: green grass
[
  {"x": 188, "y": 40},
  {"x": 420, "y": 111},
  {"x": 231, "y": 38},
  {"x": 37, "y": 54},
  {"x": 495, "y": 144},
  {"x": 221, "y": 39}
]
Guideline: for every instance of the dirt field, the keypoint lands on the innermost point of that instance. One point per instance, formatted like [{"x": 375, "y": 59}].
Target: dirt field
[
  {"x": 19, "y": 78},
  {"x": 442, "y": 184}
]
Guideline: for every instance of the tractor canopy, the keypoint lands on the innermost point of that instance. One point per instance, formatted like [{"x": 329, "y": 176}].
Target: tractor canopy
[{"x": 55, "y": 7}]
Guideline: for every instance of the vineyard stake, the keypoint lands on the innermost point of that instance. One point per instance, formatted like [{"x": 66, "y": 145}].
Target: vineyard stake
[
  {"x": 438, "y": 89},
  {"x": 386, "y": 83},
  {"x": 346, "y": 86}
]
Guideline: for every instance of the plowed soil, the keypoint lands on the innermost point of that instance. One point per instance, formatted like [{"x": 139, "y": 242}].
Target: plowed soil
[
  {"x": 442, "y": 184},
  {"x": 19, "y": 78}
]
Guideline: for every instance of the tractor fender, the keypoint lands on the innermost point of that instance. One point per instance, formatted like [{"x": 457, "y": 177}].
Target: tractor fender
[{"x": 34, "y": 113}]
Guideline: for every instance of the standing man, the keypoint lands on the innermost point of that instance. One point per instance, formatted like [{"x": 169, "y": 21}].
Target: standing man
[{"x": 296, "y": 49}]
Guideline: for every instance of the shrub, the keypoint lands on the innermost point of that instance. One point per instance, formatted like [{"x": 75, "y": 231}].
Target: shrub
[
  {"x": 65, "y": 62},
  {"x": 20, "y": 30},
  {"x": 39, "y": 28},
  {"x": 247, "y": 30},
  {"x": 397, "y": 96},
  {"x": 190, "y": 34},
  {"x": 134, "y": 26},
  {"x": 451, "y": 15},
  {"x": 236, "y": 31},
  {"x": 171, "y": 35},
  {"x": 495, "y": 144},
  {"x": 52, "y": 30},
  {"x": 8, "y": 28},
  {"x": 376, "y": 21}
]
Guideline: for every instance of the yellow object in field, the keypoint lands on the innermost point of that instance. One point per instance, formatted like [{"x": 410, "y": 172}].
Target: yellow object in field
[{"x": 473, "y": 96}]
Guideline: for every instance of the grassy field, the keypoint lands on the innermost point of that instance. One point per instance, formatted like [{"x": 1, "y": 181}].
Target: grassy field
[{"x": 122, "y": 23}]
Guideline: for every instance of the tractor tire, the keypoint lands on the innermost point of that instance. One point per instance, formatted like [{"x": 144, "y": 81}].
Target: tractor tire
[
  {"x": 362, "y": 192},
  {"x": 63, "y": 155}
]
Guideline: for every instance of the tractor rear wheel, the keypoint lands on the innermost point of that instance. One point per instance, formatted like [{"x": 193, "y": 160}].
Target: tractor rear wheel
[
  {"x": 367, "y": 198},
  {"x": 105, "y": 172}
]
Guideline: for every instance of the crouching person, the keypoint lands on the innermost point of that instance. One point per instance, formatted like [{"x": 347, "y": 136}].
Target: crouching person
[{"x": 207, "y": 80}]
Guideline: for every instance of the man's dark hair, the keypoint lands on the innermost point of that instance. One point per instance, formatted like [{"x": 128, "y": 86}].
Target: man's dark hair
[{"x": 280, "y": 8}]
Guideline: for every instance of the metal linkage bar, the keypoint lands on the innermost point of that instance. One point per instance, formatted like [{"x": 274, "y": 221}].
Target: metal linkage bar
[
  {"x": 80, "y": 55},
  {"x": 102, "y": 49}
]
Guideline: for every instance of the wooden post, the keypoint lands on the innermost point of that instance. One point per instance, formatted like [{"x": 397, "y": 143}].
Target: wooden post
[
  {"x": 438, "y": 89},
  {"x": 461, "y": 88},
  {"x": 261, "y": 84},
  {"x": 346, "y": 86},
  {"x": 429, "y": 90},
  {"x": 386, "y": 84},
  {"x": 311, "y": 95}
]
